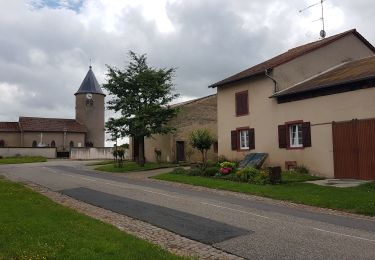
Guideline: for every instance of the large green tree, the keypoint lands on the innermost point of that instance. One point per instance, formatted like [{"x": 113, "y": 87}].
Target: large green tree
[{"x": 140, "y": 96}]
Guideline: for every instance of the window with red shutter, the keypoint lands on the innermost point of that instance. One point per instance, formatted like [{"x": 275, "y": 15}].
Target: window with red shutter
[
  {"x": 295, "y": 135},
  {"x": 306, "y": 134},
  {"x": 282, "y": 136},
  {"x": 233, "y": 136},
  {"x": 242, "y": 103},
  {"x": 251, "y": 139}
]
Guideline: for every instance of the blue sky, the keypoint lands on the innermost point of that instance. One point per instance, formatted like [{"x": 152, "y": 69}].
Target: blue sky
[{"x": 74, "y": 5}]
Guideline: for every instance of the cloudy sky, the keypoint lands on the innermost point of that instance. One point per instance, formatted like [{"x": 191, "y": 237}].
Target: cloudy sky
[{"x": 46, "y": 46}]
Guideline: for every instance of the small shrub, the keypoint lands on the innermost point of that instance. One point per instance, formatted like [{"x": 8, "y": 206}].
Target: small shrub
[
  {"x": 262, "y": 178},
  {"x": 195, "y": 172},
  {"x": 252, "y": 175},
  {"x": 247, "y": 174},
  {"x": 179, "y": 170},
  {"x": 301, "y": 169},
  {"x": 1, "y": 157},
  {"x": 211, "y": 171},
  {"x": 211, "y": 163}
]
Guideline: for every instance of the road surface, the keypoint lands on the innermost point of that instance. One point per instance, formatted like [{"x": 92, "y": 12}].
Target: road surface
[{"x": 247, "y": 226}]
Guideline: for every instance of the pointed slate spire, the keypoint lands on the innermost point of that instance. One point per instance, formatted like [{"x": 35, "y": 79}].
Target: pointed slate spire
[{"x": 90, "y": 84}]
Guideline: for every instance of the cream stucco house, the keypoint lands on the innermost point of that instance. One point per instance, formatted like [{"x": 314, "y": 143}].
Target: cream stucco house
[{"x": 313, "y": 105}]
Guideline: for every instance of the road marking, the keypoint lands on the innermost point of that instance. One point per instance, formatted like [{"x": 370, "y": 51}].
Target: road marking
[
  {"x": 237, "y": 210},
  {"x": 344, "y": 235}
]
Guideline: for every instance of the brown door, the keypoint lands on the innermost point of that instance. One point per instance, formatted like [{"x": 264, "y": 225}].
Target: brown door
[
  {"x": 180, "y": 151},
  {"x": 354, "y": 149}
]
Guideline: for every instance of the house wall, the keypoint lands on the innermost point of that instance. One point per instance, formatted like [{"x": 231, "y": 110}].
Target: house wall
[
  {"x": 58, "y": 137},
  {"x": 345, "y": 49},
  {"x": 11, "y": 139},
  {"x": 265, "y": 116},
  {"x": 199, "y": 114}
]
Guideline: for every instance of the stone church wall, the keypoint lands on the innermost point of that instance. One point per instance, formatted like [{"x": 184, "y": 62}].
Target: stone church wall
[
  {"x": 11, "y": 139},
  {"x": 13, "y": 151}
]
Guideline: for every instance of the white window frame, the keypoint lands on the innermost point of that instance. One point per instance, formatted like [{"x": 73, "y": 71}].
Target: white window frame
[
  {"x": 244, "y": 139},
  {"x": 295, "y": 135}
]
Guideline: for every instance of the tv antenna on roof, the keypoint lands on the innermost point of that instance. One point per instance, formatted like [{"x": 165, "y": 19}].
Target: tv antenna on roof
[{"x": 322, "y": 32}]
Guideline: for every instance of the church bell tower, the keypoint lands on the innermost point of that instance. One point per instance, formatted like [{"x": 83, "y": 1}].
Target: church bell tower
[{"x": 90, "y": 109}]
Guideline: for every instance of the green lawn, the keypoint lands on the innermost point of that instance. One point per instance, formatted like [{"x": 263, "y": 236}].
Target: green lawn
[
  {"x": 133, "y": 166},
  {"x": 22, "y": 159},
  {"x": 34, "y": 227},
  {"x": 359, "y": 199},
  {"x": 105, "y": 162}
]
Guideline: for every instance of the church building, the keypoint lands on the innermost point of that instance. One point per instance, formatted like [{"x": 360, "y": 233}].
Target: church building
[{"x": 86, "y": 130}]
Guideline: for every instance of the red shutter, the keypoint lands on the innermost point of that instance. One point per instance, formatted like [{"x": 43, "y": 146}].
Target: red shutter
[
  {"x": 242, "y": 104},
  {"x": 233, "y": 136},
  {"x": 251, "y": 139},
  {"x": 306, "y": 134},
  {"x": 282, "y": 136}
]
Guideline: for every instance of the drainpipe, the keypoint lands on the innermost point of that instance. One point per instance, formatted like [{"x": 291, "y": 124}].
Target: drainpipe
[{"x": 274, "y": 81}]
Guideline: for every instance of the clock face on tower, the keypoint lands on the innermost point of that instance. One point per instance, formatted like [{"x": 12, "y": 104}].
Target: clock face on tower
[{"x": 89, "y": 100}]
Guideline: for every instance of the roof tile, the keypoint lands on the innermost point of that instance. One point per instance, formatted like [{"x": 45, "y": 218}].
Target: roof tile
[
  {"x": 51, "y": 125},
  {"x": 9, "y": 127},
  {"x": 288, "y": 56},
  {"x": 352, "y": 71}
]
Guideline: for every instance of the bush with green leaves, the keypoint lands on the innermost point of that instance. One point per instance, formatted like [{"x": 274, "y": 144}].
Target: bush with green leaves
[
  {"x": 211, "y": 163},
  {"x": 179, "y": 170},
  {"x": 210, "y": 171},
  {"x": 253, "y": 175},
  {"x": 195, "y": 172}
]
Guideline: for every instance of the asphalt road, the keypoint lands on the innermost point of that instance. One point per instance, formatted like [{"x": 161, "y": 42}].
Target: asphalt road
[{"x": 247, "y": 226}]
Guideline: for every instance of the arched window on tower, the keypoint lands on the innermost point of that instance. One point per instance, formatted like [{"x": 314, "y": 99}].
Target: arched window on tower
[
  {"x": 34, "y": 144},
  {"x": 71, "y": 144},
  {"x": 2, "y": 143},
  {"x": 53, "y": 143}
]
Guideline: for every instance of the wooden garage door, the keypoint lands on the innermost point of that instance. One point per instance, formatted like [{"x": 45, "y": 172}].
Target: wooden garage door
[{"x": 354, "y": 149}]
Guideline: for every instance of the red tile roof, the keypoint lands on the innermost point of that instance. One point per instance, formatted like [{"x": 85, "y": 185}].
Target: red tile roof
[
  {"x": 348, "y": 72},
  {"x": 9, "y": 127},
  {"x": 288, "y": 56},
  {"x": 51, "y": 125}
]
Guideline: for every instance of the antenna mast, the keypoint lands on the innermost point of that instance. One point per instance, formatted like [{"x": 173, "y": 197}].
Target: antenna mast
[{"x": 322, "y": 32}]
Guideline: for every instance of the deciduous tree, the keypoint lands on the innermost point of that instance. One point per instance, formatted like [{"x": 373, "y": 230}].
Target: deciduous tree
[{"x": 141, "y": 95}]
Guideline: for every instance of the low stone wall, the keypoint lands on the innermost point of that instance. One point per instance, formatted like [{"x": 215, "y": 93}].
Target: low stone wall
[
  {"x": 47, "y": 152},
  {"x": 92, "y": 153}
]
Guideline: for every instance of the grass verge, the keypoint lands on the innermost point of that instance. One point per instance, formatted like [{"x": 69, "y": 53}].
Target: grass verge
[
  {"x": 104, "y": 162},
  {"x": 360, "y": 200},
  {"x": 22, "y": 159},
  {"x": 34, "y": 227},
  {"x": 133, "y": 166}
]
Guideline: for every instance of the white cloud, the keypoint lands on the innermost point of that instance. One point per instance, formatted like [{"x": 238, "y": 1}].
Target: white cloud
[{"x": 45, "y": 51}]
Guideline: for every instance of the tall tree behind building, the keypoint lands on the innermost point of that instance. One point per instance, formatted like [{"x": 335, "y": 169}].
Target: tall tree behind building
[{"x": 141, "y": 96}]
